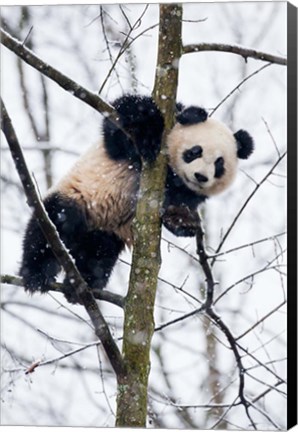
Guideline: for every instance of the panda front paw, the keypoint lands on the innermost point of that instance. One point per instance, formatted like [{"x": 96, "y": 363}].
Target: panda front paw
[
  {"x": 192, "y": 115},
  {"x": 181, "y": 221},
  {"x": 142, "y": 119}
]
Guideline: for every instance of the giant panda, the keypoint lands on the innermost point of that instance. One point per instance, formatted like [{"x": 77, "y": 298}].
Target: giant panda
[{"x": 94, "y": 204}]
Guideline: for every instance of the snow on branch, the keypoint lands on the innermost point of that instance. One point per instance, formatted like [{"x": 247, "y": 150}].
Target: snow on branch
[{"x": 235, "y": 49}]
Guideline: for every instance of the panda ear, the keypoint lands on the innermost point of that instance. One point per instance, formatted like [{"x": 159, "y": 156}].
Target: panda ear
[
  {"x": 245, "y": 144},
  {"x": 192, "y": 115}
]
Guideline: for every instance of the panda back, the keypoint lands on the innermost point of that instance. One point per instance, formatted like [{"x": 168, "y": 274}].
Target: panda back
[{"x": 106, "y": 190}]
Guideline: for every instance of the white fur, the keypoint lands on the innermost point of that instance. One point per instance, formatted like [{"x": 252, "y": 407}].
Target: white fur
[
  {"x": 106, "y": 189},
  {"x": 216, "y": 141}
]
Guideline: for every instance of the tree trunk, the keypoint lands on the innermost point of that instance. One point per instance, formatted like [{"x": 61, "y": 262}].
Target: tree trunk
[{"x": 139, "y": 308}]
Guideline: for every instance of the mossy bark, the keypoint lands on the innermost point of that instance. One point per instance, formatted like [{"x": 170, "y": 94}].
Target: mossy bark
[{"x": 139, "y": 306}]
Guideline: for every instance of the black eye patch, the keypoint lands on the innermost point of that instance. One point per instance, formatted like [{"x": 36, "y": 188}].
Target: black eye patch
[
  {"x": 219, "y": 167},
  {"x": 192, "y": 154}
]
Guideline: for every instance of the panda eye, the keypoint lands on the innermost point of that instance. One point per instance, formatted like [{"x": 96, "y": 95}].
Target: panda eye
[
  {"x": 192, "y": 154},
  {"x": 219, "y": 167}
]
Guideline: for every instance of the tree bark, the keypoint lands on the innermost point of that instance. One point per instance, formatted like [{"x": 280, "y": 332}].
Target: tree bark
[{"x": 139, "y": 305}]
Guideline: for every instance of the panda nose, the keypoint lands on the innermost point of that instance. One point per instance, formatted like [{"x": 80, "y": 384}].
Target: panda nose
[{"x": 201, "y": 178}]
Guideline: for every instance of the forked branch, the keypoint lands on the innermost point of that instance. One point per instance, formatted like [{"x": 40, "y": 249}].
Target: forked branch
[{"x": 208, "y": 308}]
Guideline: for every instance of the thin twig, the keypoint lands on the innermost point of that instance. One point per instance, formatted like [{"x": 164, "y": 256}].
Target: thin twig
[
  {"x": 261, "y": 320},
  {"x": 195, "y": 21},
  {"x": 237, "y": 87},
  {"x": 125, "y": 45},
  {"x": 272, "y": 137},
  {"x": 262, "y": 364},
  {"x": 254, "y": 243},
  {"x": 251, "y": 195},
  {"x": 28, "y": 35},
  {"x": 62, "y": 356},
  {"x": 272, "y": 387},
  {"x": 179, "y": 319},
  {"x": 102, "y": 11},
  {"x": 260, "y": 410},
  {"x": 267, "y": 267}
]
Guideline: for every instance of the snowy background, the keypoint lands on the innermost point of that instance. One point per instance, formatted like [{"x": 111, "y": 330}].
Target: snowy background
[{"x": 194, "y": 378}]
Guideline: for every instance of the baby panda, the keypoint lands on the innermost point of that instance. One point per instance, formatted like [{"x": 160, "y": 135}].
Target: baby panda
[{"x": 94, "y": 204}]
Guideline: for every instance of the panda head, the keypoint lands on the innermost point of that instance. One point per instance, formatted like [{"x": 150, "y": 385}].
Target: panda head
[{"x": 204, "y": 153}]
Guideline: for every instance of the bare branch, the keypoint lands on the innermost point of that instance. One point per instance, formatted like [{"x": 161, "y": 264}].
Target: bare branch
[
  {"x": 224, "y": 328},
  {"x": 268, "y": 266},
  {"x": 62, "y": 80},
  {"x": 103, "y": 26},
  {"x": 272, "y": 137},
  {"x": 254, "y": 243},
  {"x": 260, "y": 410},
  {"x": 206, "y": 268},
  {"x": 261, "y": 320},
  {"x": 262, "y": 364},
  {"x": 208, "y": 308},
  {"x": 179, "y": 319},
  {"x": 60, "y": 357},
  {"x": 235, "y": 49},
  {"x": 49, "y": 230},
  {"x": 237, "y": 87},
  {"x": 251, "y": 195},
  {"x": 99, "y": 294},
  {"x": 126, "y": 45}
]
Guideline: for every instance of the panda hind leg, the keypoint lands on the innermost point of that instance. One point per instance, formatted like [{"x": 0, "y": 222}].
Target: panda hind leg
[
  {"x": 39, "y": 265},
  {"x": 95, "y": 255}
]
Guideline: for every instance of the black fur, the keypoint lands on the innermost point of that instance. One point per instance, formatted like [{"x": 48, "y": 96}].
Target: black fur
[
  {"x": 192, "y": 154},
  {"x": 219, "y": 167},
  {"x": 192, "y": 115},
  {"x": 181, "y": 220},
  {"x": 95, "y": 252},
  {"x": 141, "y": 118},
  {"x": 177, "y": 195},
  {"x": 95, "y": 255},
  {"x": 245, "y": 144}
]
